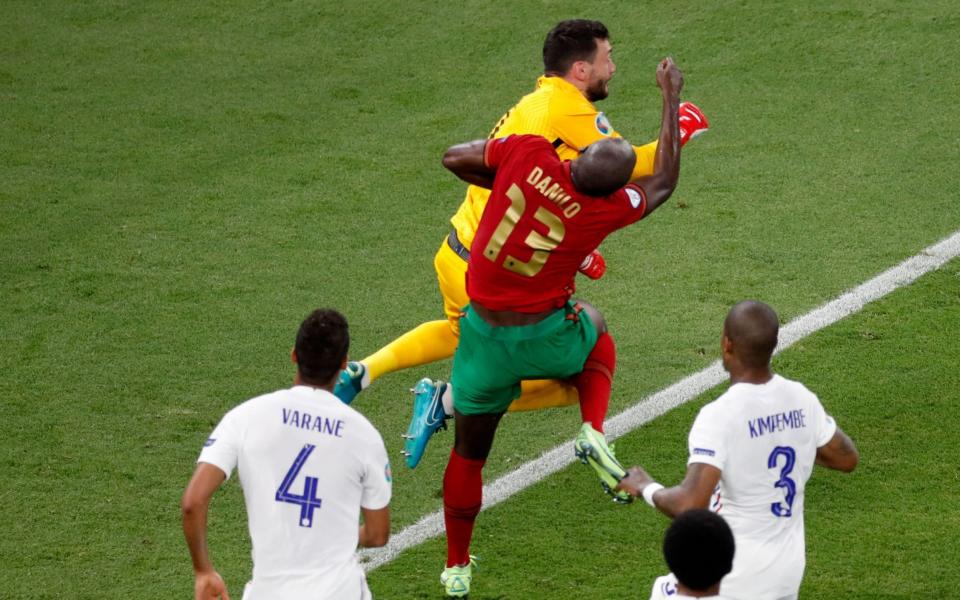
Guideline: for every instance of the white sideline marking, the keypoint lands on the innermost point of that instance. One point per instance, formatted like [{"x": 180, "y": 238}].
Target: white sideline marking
[{"x": 683, "y": 391}]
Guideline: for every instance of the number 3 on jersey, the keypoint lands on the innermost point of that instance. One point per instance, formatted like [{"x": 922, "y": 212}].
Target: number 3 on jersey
[
  {"x": 788, "y": 485},
  {"x": 308, "y": 500},
  {"x": 539, "y": 243}
]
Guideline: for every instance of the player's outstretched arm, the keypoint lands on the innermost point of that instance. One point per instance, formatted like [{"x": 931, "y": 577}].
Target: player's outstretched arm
[
  {"x": 693, "y": 492},
  {"x": 666, "y": 171},
  {"x": 466, "y": 161},
  {"x": 839, "y": 453},
  {"x": 375, "y": 530}
]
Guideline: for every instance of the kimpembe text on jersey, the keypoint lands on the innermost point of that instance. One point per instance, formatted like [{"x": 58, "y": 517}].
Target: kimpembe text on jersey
[
  {"x": 795, "y": 419},
  {"x": 302, "y": 420}
]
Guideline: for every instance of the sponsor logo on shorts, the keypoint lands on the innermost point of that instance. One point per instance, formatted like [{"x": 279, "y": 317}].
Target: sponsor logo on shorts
[
  {"x": 209, "y": 442},
  {"x": 387, "y": 473},
  {"x": 704, "y": 451}
]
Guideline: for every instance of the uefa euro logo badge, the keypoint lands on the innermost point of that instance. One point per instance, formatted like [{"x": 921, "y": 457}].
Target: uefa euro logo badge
[{"x": 603, "y": 125}]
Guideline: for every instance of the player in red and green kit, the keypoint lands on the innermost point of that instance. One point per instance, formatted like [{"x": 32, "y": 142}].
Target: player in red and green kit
[
  {"x": 544, "y": 215},
  {"x": 578, "y": 66}
]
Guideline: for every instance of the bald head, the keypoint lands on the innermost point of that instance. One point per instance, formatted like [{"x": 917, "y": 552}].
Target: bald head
[
  {"x": 752, "y": 327},
  {"x": 604, "y": 167}
]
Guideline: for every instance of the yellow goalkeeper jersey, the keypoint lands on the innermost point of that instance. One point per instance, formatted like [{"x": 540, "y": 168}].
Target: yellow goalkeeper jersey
[{"x": 558, "y": 111}]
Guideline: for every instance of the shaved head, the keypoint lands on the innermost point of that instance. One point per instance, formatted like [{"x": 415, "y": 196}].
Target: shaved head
[
  {"x": 604, "y": 167},
  {"x": 752, "y": 327}
]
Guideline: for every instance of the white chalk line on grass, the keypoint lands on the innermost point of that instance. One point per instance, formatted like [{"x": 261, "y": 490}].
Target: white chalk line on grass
[{"x": 669, "y": 398}]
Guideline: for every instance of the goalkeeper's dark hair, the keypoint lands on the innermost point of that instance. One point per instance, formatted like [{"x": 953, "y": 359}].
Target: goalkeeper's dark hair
[
  {"x": 569, "y": 42},
  {"x": 699, "y": 548},
  {"x": 321, "y": 346}
]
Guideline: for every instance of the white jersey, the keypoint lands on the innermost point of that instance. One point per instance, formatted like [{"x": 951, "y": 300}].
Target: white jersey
[
  {"x": 764, "y": 440},
  {"x": 665, "y": 588},
  {"x": 307, "y": 463}
]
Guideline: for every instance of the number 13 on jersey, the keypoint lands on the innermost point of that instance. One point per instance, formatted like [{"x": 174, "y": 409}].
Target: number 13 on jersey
[{"x": 539, "y": 243}]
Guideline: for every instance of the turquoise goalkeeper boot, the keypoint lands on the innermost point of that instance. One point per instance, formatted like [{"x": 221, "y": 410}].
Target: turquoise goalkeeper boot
[
  {"x": 591, "y": 448},
  {"x": 349, "y": 382},
  {"x": 428, "y": 418}
]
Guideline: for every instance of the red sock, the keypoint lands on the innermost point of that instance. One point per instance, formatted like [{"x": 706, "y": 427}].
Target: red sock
[
  {"x": 593, "y": 384},
  {"x": 462, "y": 496}
]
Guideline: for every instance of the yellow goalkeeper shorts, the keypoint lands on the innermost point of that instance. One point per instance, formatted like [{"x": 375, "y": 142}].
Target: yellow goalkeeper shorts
[{"x": 451, "y": 270}]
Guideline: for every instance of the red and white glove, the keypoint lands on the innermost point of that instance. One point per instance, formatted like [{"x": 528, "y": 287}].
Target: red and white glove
[
  {"x": 692, "y": 122},
  {"x": 593, "y": 266}
]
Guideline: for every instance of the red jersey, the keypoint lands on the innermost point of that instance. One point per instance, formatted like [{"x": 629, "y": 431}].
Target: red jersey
[{"x": 537, "y": 228}]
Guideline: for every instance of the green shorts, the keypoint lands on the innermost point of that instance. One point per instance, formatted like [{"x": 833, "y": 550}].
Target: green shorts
[{"x": 491, "y": 361}]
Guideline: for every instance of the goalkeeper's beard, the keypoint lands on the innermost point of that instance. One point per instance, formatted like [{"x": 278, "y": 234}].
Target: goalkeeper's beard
[{"x": 597, "y": 90}]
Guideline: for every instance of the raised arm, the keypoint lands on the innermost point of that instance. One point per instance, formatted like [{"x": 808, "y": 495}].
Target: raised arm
[
  {"x": 466, "y": 161},
  {"x": 839, "y": 453},
  {"x": 666, "y": 169}
]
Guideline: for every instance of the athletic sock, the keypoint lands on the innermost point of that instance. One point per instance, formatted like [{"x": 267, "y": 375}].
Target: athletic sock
[
  {"x": 462, "y": 496},
  {"x": 446, "y": 398},
  {"x": 429, "y": 342},
  {"x": 593, "y": 384}
]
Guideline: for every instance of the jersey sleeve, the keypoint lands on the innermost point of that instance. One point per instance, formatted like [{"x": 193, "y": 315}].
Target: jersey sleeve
[
  {"x": 631, "y": 202},
  {"x": 377, "y": 476},
  {"x": 222, "y": 448},
  {"x": 707, "y": 441},
  {"x": 646, "y": 155},
  {"x": 826, "y": 427},
  {"x": 496, "y": 149}
]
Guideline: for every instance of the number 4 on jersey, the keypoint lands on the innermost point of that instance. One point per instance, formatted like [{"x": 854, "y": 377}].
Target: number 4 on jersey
[{"x": 308, "y": 500}]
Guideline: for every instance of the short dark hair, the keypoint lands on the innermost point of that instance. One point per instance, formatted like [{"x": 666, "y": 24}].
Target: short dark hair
[
  {"x": 699, "y": 548},
  {"x": 571, "y": 41},
  {"x": 322, "y": 343},
  {"x": 753, "y": 327}
]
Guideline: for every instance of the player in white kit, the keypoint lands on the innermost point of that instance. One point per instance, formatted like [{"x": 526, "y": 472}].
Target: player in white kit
[
  {"x": 751, "y": 452},
  {"x": 309, "y": 466},
  {"x": 698, "y": 547}
]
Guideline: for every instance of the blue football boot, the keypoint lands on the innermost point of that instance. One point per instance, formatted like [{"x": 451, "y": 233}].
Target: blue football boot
[{"x": 428, "y": 418}]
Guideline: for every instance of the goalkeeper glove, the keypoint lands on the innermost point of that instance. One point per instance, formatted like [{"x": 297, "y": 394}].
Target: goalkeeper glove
[
  {"x": 594, "y": 266},
  {"x": 692, "y": 122}
]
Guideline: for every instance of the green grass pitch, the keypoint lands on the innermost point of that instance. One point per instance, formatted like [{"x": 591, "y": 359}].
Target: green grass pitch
[{"x": 180, "y": 184}]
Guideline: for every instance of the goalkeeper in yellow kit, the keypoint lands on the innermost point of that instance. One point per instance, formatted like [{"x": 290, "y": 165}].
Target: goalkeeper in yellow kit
[{"x": 577, "y": 68}]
